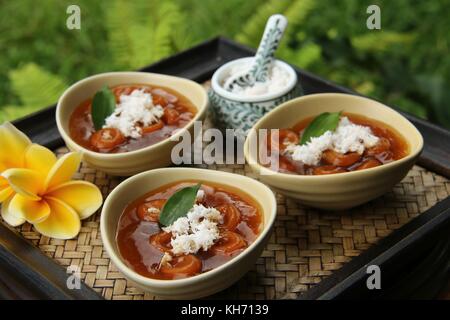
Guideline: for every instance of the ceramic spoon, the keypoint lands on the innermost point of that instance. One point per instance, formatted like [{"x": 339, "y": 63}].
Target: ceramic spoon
[{"x": 259, "y": 70}]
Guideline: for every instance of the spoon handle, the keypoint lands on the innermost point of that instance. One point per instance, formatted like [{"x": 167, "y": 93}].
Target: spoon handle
[{"x": 270, "y": 40}]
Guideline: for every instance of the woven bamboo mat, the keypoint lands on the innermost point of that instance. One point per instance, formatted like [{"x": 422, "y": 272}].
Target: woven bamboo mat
[{"x": 306, "y": 245}]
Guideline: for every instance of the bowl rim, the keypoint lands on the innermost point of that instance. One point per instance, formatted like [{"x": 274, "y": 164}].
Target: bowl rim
[
  {"x": 201, "y": 110},
  {"x": 160, "y": 283},
  {"x": 217, "y": 87},
  {"x": 255, "y": 164}
]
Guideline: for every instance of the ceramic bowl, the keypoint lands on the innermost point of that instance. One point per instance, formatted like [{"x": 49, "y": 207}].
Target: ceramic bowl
[
  {"x": 203, "y": 284},
  {"x": 343, "y": 190},
  {"x": 231, "y": 110},
  {"x": 128, "y": 163}
]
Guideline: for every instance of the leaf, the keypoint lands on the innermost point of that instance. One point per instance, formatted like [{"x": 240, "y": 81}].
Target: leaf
[
  {"x": 148, "y": 34},
  {"x": 408, "y": 105},
  {"x": 435, "y": 88},
  {"x": 379, "y": 41},
  {"x": 12, "y": 112},
  {"x": 103, "y": 105},
  {"x": 327, "y": 121},
  {"x": 297, "y": 14},
  {"x": 253, "y": 28},
  {"x": 35, "y": 86},
  {"x": 178, "y": 205},
  {"x": 308, "y": 55}
]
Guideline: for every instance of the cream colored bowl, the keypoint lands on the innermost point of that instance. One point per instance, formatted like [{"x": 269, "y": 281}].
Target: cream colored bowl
[
  {"x": 128, "y": 163},
  {"x": 203, "y": 284},
  {"x": 343, "y": 190}
]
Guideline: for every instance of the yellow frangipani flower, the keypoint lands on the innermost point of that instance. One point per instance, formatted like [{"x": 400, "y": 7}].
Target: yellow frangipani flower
[
  {"x": 43, "y": 194},
  {"x": 13, "y": 144}
]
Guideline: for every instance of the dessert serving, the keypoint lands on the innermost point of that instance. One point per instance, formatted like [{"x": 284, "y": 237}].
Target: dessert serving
[
  {"x": 184, "y": 233},
  {"x": 335, "y": 142},
  {"x": 129, "y": 117},
  {"x": 124, "y": 123},
  {"x": 186, "y": 228},
  {"x": 345, "y": 151}
]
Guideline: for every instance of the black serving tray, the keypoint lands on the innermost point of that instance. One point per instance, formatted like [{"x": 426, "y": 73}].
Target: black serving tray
[{"x": 414, "y": 259}]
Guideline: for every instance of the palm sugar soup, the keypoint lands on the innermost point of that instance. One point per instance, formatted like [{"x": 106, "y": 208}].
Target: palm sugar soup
[
  {"x": 186, "y": 228},
  {"x": 334, "y": 143},
  {"x": 129, "y": 117}
]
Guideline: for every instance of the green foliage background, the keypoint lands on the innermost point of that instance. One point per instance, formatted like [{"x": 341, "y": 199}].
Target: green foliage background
[{"x": 405, "y": 64}]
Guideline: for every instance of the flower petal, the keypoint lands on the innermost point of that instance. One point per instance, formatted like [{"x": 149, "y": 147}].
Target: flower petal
[
  {"x": 3, "y": 182},
  {"x": 39, "y": 158},
  {"x": 26, "y": 182},
  {"x": 30, "y": 210},
  {"x": 8, "y": 216},
  {"x": 63, "y": 170},
  {"x": 5, "y": 193},
  {"x": 13, "y": 142},
  {"x": 62, "y": 223},
  {"x": 5, "y": 189},
  {"x": 82, "y": 196}
]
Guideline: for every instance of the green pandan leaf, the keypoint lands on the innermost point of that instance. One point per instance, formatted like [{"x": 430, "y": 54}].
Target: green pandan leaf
[
  {"x": 103, "y": 105},
  {"x": 327, "y": 121},
  {"x": 178, "y": 205}
]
